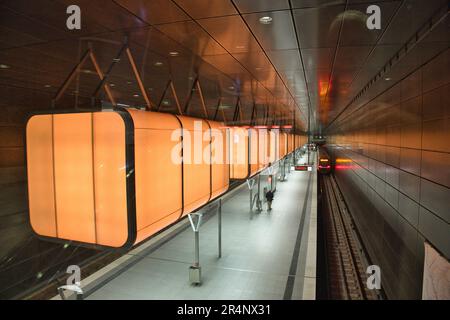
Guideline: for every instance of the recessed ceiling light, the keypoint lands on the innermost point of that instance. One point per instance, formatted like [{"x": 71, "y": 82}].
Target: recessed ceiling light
[
  {"x": 129, "y": 82},
  {"x": 158, "y": 63},
  {"x": 387, "y": 79},
  {"x": 231, "y": 87},
  {"x": 4, "y": 66},
  {"x": 136, "y": 95},
  {"x": 47, "y": 86},
  {"x": 112, "y": 85},
  {"x": 166, "y": 102},
  {"x": 173, "y": 53},
  {"x": 87, "y": 71},
  {"x": 265, "y": 20}
]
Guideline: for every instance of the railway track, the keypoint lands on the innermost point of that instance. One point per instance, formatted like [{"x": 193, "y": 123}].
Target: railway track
[{"x": 345, "y": 260}]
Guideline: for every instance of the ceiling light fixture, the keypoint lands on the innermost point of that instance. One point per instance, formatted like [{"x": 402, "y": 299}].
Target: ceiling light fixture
[
  {"x": 158, "y": 63},
  {"x": 231, "y": 87},
  {"x": 173, "y": 53},
  {"x": 4, "y": 66},
  {"x": 136, "y": 95},
  {"x": 47, "y": 86},
  {"x": 112, "y": 85},
  {"x": 387, "y": 79},
  {"x": 265, "y": 20}
]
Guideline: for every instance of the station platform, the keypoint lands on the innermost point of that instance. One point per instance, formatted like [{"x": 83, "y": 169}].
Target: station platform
[{"x": 266, "y": 255}]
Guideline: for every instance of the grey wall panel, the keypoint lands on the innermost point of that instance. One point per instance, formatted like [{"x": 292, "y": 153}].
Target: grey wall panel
[
  {"x": 393, "y": 176},
  {"x": 436, "y": 230},
  {"x": 392, "y": 196},
  {"x": 409, "y": 209},
  {"x": 435, "y": 135},
  {"x": 409, "y": 184},
  {"x": 435, "y": 198},
  {"x": 435, "y": 167},
  {"x": 410, "y": 160},
  {"x": 403, "y": 199}
]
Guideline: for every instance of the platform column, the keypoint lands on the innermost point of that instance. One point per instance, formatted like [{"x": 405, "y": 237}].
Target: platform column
[{"x": 195, "y": 270}]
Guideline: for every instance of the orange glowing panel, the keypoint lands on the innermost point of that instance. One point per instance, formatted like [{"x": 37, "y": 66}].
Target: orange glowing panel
[
  {"x": 220, "y": 164},
  {"x": 239, "y": 153},
  {"x": 282, "y": 144},
  {"x": 263, "y": 159},
  {"x": 158, "y": 176},
  {"x": 110, "y": 179},
  {"x": 74, "y": 182},
  {"x": 254, "y": 151},
  {"x": 196, "y": 168},
  {"x": 76, "y": 177},
  {"x": 116, "y": 178},
  {"x": 273, "y": 145},
  {"x": 290, "y": 142},
  {"x": 39, "y": 135}
]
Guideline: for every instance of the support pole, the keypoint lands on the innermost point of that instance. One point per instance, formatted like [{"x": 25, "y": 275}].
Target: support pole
[
  {"x": 258, "y": 201},
  {"x": 220, "y": 228},
  {"x": 195, "y": 270},
  {"x": 250, "y": 184}
]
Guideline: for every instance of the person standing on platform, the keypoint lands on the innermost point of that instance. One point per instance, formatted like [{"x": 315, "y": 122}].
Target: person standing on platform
[{"x": 269, "y": 198}]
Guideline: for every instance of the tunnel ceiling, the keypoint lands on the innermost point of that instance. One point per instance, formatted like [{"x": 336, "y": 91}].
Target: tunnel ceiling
[{"x": 312, "y": 53}]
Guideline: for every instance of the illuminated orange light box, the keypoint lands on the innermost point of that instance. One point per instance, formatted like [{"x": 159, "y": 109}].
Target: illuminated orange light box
[{"x": 108, "y": 179}]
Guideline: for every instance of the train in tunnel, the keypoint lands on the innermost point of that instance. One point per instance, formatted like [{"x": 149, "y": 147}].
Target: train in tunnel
[
  {"x": 324, "y": 162},
  {"x": 112, "y": 179}
]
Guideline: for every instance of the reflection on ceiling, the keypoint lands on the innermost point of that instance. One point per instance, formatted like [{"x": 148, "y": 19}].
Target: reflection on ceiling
[{"x": 278, "y": 60}]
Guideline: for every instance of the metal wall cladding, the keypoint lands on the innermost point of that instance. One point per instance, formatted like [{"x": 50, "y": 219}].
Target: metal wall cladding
[{"x": 398, "y": 189}]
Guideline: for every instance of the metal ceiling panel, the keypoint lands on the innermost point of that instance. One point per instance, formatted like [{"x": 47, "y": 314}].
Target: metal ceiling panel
[
  {"x": 198, "y": 9},
  {"x": 317, "y": 57},
  {"x": 192, "y": 36},
  {"x": 26, "y": 30},
  {"x": 154, "y": 11},
  {"x": 315, "y": 3},
  {"x": 277, "y": 35},
  {"x": 285, "y": 59},
  {"x": 110, "y": 14},
  {"x": 232, "y": 33},
  {"x": 411, "y": 16},
  {"x": 318, "y": 27},
  {"x": 226, "y": 63},
  {"x": 354, "y": 29},
  {"x": 351, "y": 56},
  {"x": 24, "y": 17},
  {"x": 248, "y": 6}
]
